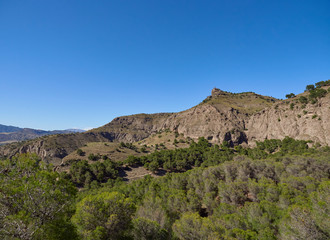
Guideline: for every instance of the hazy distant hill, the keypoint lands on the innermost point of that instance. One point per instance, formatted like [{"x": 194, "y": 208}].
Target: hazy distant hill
[
  {"x": 9, "y": 134},
  {"x": 8, "y": 129}
]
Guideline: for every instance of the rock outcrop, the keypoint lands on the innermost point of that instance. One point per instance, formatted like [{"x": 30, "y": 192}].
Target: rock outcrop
[{"x": 217, "y": 92}]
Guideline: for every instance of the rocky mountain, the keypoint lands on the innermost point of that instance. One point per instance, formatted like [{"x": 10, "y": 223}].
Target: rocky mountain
[
  {"x": 9, "y": 134},
  {"x": 238, "y": 118}
]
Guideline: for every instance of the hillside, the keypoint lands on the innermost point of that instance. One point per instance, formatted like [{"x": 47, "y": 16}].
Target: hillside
[{"x": 237, "y": 118}]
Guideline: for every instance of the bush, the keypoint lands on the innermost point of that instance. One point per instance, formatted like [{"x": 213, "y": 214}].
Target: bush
[
  {"x": 322, "y": 83},
  {"x": 132, "y": 160},
  {"x": 291, "y": 106},
  {"x": 310, "y": 87},
  {"x": 290, "y": 95},
  {"x": 303, "y": 100},
  {"x": 104, "y": 216},
  {"x": 82, "y": 173},
  {"x": 93, "y": 157},
  {"x": 35, "y": 202},
  {"x": 80, "y": 152},
  {"x": 317, "y": 93}
]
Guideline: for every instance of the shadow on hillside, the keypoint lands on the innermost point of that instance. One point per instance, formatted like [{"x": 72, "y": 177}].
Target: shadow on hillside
[
  {"x": 122, "y": 173},
  {"x": 160, "y": 172}
]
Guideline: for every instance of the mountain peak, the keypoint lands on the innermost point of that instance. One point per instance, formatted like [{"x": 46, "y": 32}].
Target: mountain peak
[{"x": 217, "y": 92}]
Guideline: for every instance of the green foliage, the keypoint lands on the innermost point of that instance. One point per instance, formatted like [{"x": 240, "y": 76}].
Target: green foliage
[
  {"x": 303, "y": 100},
  {"x": 291, "y": 95},
  {"x": 192, "y": 227},
  {"x": 146, "y": 229},
  {"x": 237, "y": 199},
  {"x": 82, "y": 173},
  {"x": 291, "y": 106},
  {"x": 322, "y": 83},
  {"x": 35, "y": 202},
  {"x": 80, "y": 152},
  {"x": 103, "y": 216},
  {"x": 128, "y": 145},
  {"x": 93, "y": 157},
  {"x": 317, "y": 93},
  {"x": 132, "y": 161},
  {"x": 299, "y": 224},
  {"x": 278, "y": 190},
  {"x": 310, "y": 87}
]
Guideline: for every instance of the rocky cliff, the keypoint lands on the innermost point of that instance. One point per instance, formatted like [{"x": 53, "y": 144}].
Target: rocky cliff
[{"x": 294, "y": 119}]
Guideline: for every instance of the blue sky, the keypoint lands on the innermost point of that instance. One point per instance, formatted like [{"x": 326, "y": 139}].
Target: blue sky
[{"x": 66, "y": 63}]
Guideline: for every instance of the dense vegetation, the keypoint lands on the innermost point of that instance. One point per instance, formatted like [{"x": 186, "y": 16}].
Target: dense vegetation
[
  {"x": 278, "y": 190},
  {"x": 35, "y": 202}
]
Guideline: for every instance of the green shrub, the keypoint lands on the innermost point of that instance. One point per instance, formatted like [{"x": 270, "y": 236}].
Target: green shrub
[
  {"x": 303, "y": 99},
  {"x": 310, "y": 87},
  {"x": 291, "y": 95},
  {"x": 291, "y": 106},
  {"x": 80, "y": 152},
  {"x": 317, "y": 93},
  {"x": 93, "y": 157}
]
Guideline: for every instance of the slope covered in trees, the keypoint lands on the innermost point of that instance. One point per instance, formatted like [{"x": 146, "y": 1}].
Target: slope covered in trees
[{"x": 277, "y": 190}]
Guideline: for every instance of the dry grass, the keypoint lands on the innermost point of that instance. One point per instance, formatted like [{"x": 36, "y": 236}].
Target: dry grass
[
  {"x": 244, "y": 102},
  {"x": 165, "y": 138},
  {"x": 109, "y": 149}
]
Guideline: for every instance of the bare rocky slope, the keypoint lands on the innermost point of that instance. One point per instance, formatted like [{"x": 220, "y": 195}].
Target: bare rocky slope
[
  {"x": 294, "y": 119},
  {"x": 241, "y": 118}
]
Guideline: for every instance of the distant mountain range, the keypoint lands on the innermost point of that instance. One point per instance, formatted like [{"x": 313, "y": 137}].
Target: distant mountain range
[{"x": 9, "y": 134}]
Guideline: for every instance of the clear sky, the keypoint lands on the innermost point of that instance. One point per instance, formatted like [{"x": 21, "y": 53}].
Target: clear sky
[{"x": 79, "y": 64}]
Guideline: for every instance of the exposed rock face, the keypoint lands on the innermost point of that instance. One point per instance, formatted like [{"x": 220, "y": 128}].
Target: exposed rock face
[
  {"x": 209, "y": 122},
  {"x": 217, "y": 92},
  {"x": 201, "y": 121},
  {"x": 309, "y": 123}
]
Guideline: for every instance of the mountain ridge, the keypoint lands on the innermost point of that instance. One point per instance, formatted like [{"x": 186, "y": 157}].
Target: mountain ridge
[{"x": 237, "y": 118}]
